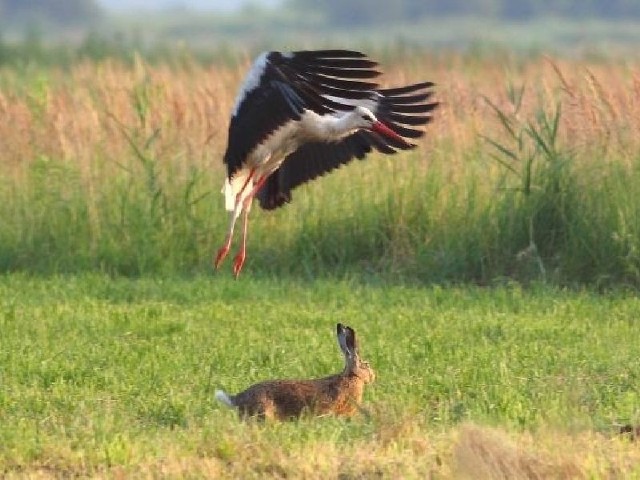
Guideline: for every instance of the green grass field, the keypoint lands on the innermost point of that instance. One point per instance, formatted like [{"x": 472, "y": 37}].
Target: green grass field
[
  {"x": 491, "y": 275},
  {"x": 106, "y": 376}
]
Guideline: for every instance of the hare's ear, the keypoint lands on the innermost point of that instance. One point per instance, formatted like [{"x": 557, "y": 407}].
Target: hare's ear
[
  {"x": 352, "y": 343},
  {"x": 341, "y": 332},
  {"x": 347, "y": 340}
]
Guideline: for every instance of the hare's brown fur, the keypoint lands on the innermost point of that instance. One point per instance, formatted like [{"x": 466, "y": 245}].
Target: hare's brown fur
[
  {"x": 285, "y": 399},
  {"x": 339, "y": 394}
]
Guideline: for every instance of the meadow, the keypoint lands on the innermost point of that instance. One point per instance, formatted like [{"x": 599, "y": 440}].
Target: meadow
[
  {"x": 491, "y": 273},
  {"x": 115, "y": 378}
]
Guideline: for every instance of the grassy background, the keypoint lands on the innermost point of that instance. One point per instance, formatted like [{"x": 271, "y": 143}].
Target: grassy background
[
  {"x": 529, "y": 175},
  {"x": 529, "y": 171},
  {"x": 105, "y": 376}
]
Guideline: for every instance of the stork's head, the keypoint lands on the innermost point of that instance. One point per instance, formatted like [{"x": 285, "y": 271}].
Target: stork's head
[{"x": 364, "y": 118}]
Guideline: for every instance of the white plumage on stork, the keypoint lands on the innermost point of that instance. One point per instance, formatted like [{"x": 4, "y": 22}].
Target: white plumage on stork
[{"x": 301, "y": 114}]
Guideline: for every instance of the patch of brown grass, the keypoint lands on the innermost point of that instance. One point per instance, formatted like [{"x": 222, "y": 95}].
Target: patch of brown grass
[
  {"x": 399, "y": 449},
  {"x": 486, "y": 454}
]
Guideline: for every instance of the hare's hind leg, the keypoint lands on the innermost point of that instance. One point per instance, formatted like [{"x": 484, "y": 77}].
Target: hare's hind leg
[{"x": 260, "y": 411}]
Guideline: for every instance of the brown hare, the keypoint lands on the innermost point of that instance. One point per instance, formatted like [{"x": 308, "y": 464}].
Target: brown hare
[{"x": 338, "y": 394}]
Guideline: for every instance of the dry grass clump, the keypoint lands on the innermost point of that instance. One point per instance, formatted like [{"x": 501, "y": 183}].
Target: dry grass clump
[
  {"x": 489, "y": 453},
  {"x": 469, "y": 451},
  {"x": 483, "y": 453}
]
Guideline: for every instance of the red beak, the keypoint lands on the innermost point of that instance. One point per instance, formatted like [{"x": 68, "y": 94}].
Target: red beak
[{"x": 385, "y": 131}]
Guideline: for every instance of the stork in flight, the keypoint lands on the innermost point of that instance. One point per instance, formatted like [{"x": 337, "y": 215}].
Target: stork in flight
[{"x": 302, "y": 114}]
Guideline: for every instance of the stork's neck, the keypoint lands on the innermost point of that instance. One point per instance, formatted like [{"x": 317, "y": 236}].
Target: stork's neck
[{"x": 330, "y": 128}]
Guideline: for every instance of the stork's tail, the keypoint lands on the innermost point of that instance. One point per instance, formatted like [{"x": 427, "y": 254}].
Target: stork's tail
[
  {"x": 229, "y": 195},
  {"x": 224, "y": 398},
  {"x": 239, "y": 184}
]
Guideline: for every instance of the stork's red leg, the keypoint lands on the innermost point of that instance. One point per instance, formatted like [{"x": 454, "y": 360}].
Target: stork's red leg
[
  {"x": 238, "y": 262},
  {"x": 224, "y": 250}
]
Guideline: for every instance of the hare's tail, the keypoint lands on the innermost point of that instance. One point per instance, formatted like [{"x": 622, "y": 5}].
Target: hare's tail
[{"x": 224, "y": 398}]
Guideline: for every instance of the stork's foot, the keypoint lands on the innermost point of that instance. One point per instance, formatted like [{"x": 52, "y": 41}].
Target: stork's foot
[
  {"x": 222, "y": 253},
  {"x": 238, "y": 262}
]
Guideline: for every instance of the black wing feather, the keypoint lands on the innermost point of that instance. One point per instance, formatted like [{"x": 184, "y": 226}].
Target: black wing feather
[
  {"x": 319, "y": 54},
  {"x": 345, "y": 63},
  {"x": 340, "y": 93},
  {"x": 406, "y": 132},
  {"x": 408, "y": 99},
  {"x": 418, "y": 108},
  {"x": 344, "y": 73},
  {"x": 339, "y": 83},
  {"x": 404, "y": 119},
  {"x": 389, "y": 92}
]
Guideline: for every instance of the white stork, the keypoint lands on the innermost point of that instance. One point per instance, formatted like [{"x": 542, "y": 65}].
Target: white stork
[{"x": 302, "y": 114}]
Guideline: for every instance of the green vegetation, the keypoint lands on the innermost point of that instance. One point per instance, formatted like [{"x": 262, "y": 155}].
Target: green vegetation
[
  {"x": 115, "y": 332},
  {"x": 116, "y": 168},
  {"x": 104, "y": 375}
]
